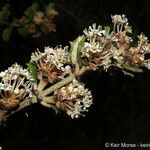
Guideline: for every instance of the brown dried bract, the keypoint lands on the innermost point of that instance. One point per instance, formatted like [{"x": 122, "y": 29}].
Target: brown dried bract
[
  {"x": 49, "y": 72},
  {"x": 10, "y": 100},
  {"x": 64, "y": 104}
]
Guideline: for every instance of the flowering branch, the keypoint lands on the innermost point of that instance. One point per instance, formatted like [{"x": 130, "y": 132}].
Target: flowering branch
[
  {"x": 52, "y": 76},
  {"x": 33, "y": 22}
]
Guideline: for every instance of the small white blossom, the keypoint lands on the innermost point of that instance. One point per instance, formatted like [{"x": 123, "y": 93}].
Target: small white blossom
[
  {"x": 91, "y": 47},
  {"x": 146, "y": 64},
  {"x": 143, "y": 45},
  {"x": 119, "y": 19},
  {"x": 93, "y": 31}
]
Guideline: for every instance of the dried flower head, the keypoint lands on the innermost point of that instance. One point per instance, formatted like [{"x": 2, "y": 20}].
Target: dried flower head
[
  {"x": 15, "y": 86},
  {"x": 53, "y": 64},
  {"x": 73, "y": 98}
]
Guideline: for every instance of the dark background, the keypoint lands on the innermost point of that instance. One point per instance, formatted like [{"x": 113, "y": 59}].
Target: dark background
[{"x": 121, "y": 109}]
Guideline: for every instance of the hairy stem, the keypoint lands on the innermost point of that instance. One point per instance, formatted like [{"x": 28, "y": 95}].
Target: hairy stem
[
  {"x": 63, "y": 82},
  {"x": 49, "y": 100},
  {"x": 58, "y": 85},
  {"x": 41, "y": 85}
]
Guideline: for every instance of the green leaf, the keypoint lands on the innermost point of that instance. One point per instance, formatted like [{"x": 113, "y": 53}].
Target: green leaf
[
  {"x": 75, "y": 52},
  {"x": 49, "y": 7},
  {"x": 30, "y": 12},
  {"x": 23, "y": 31},
  {"x": 107, "y": 29},
  {"x": 132, "y": 69},
  {"x": 33, "y": 69},
  {"x": 6, "y": 34},
  {"x": 4, "y": 13}
]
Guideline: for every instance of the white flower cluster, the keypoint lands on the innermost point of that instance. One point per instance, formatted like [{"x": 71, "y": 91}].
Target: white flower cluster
[
  {"x": 144, "y": 48},
  {"x": 16, "y": 80},
  {"x": 96, "y": 41},
  {"x": 92, "y": 34},
  {"x": 58, "y": 56},
  {"x": 76, "y": 98},
  {"x": 104, "y": 48}
]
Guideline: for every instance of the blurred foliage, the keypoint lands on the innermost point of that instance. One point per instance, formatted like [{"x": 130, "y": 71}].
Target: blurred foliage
[{"x": 34, "y": 21}]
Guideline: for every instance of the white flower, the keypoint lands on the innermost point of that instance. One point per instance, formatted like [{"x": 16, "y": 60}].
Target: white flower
[
  {"x": 59, "y": 57},
  {"x": 74, "y": 99},
  {"x": 119, "y": 19},
  {"x": 96, "y": 39},
  {"x": 16, "y": 80},
  {"x": 93, "y": 30},
  {"x": 103, "y": 49},
  {"x": 90, "y": 47}
]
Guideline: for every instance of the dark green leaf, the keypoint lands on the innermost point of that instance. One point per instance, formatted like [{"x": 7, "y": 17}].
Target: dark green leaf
[
  {"x": 6, "y": 34},
  {"x": 33, "y": 70}
]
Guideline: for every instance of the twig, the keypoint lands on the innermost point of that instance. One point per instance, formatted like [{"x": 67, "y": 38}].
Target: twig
[{"x": 9, "y": 24}]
